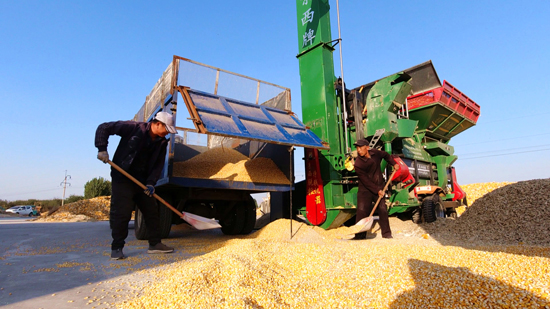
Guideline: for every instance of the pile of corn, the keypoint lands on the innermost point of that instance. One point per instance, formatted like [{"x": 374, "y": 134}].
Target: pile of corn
[
  {"x": 269, "y": 270},
  {"x": 228, "y": 164},
  {"x": 477, "y": 190},
  {"x": 513, "y": 214},
  {"x": 84, "y": 210}
]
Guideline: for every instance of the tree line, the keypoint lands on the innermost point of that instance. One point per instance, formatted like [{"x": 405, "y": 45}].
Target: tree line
[{"x": 93, "y": 188}]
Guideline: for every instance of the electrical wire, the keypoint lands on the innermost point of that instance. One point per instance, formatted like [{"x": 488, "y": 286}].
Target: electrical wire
[
  {"x": 499, "y": 140},
  {"x": 504, "y": 150},
  {"x": 503, "y": 154},
  {"x": 514, "y": 118},
  {"x": 31, "y": 192}
]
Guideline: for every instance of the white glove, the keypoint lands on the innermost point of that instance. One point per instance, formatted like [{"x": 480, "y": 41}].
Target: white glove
[{"x": 103, "y": 156}]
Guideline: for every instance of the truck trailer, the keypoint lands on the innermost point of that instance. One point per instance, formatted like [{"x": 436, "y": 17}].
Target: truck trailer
[{"x": 235, "y": 138}]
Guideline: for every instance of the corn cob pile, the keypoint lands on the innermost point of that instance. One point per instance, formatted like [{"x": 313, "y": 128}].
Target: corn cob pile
[
  {"x": 516, "y": 213},
  {"x": 85, "y": 210},
  {"x": 228, "y": 164},
  {"x": 268, "y": 270}
]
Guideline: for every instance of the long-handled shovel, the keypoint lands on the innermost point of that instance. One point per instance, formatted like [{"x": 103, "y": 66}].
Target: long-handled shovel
[
  {"x": 366, "y": 223},
  {"x": 198, "y": 222}
]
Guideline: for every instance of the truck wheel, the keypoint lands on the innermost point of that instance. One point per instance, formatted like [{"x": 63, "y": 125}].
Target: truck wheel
[
  {"x": 432, "y": 208},
  {"x": 233, "y": 223},
  {"x": 249, "y": 215},
  {"x": 140, "y": 229},
  {"x": 416, "y": 215},
  {"x": 428, "y": 209},
  {"x": 165, "y": 215}
]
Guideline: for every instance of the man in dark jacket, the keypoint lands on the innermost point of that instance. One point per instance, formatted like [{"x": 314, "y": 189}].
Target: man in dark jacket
[
  {"x": 371, "y": 184},
  {"x": 141, "y": 152}
]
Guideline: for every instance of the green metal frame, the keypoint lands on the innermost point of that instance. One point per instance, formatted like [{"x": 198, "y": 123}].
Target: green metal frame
[{"x": 321, "y": 112}]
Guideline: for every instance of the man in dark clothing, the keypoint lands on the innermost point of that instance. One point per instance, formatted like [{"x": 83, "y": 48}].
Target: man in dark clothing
[
  {"x": 371, "y": 184},
  {"x": 141, "y": 152}
]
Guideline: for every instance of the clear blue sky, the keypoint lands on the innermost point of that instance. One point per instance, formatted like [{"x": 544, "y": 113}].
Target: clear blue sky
[{"x": 67, "y": 66}]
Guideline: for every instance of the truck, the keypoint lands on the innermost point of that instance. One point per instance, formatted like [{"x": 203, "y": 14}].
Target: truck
[
  {"x": 410, "y": 114},
  {"x": 235, "y": 138}
]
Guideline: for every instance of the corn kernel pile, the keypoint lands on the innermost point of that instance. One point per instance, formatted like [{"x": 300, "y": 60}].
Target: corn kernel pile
[
  {"x": 268, "y": 269},
  {"x": 229, "y": 164},
  {"x": 477, "y": 190},
  {"x": 84, "y": 210},
  {"x": 516, "y": 213}
]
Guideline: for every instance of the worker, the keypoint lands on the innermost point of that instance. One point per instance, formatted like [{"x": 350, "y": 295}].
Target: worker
[
  {"x": 371, "y": 184},
  {"x": 141, "y": 152}
]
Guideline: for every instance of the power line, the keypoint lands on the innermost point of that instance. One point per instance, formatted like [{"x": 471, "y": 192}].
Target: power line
[
  {"x": 499, "y": 140},
  {"x": 12, "y": 194},
  {"x": 503, "y": 154},
  {"x": 514, "y": 118},
  {"x": 509, "y": 149},
  {"x": 32, "y": 192}
]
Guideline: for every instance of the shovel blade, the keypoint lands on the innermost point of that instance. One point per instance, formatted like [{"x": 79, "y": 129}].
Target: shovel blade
[
  {"x": 365, "y": 224},
  {"x": 200, "y": 223}
]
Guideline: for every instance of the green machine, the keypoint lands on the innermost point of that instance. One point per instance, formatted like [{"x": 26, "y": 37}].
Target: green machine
[{"x": 410, "y": 114}]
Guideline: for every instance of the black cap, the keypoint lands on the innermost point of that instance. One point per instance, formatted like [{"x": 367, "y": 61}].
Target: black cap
[{"x": 361, "y": 142}]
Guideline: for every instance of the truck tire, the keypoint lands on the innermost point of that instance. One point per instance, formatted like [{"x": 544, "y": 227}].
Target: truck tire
[
  {"x": 165, "y": 215},
  {"x": 416, "y": 215},
  {"x": 249, "y": 215},
  {"x": 140, "y": 230},
  {"x": 233, "y": 223},
  {"x": 432, "y": 208}
]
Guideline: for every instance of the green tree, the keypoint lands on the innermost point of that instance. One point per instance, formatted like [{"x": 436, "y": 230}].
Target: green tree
[
  {"x": 97, "y": 187},
  {"x": 73, "y": 198}
]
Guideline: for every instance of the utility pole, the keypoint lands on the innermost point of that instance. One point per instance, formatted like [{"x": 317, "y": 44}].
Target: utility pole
[{"x": 65, "y": 184}]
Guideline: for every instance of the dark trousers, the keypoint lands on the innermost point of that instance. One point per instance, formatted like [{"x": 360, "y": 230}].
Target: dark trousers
[
  {"x": 125, "y": 196},
  {"x": 365, "y": 204}
]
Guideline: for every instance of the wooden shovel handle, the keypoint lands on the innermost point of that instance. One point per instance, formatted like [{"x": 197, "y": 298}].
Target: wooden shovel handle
[
  {"x": 380, "y": 197},
  {"x": 144, "y": 187}
]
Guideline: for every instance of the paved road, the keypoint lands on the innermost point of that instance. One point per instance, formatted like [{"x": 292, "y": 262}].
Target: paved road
[{"x": 67, "y": 265}]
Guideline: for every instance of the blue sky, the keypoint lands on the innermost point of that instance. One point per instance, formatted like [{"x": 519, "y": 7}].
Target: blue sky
[{"x": 67, "y": 66}]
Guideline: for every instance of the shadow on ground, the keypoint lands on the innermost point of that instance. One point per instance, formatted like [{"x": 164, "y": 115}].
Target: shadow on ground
[{"x": 438, "y": 286}]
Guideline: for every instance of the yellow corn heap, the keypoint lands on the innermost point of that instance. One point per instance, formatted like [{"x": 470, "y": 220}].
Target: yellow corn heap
[
  {"x": 267, "y": 269},
  {"x": 516, "y": 213},
  {"x": 228, "y": 164},
  {"x": 477, "y": 190},
  {"x": 84, "y": 210}
]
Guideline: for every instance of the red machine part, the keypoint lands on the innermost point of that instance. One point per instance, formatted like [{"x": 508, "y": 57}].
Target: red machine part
[
  {"x": 450, "y": 96},
  {"x": 457, "y": 190},
  {"x": 315, "y": 197},
  {"x": 403, "y": 174}
]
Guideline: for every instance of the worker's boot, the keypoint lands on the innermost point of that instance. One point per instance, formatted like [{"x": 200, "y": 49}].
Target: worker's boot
[
  {"x": 117, "y": 254},
  {"x": 160, "y": 248}
]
